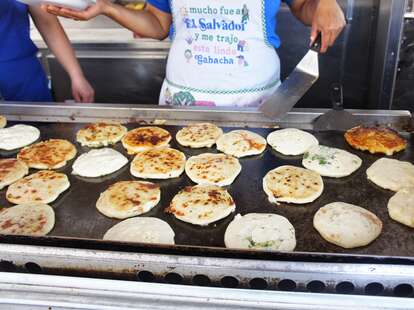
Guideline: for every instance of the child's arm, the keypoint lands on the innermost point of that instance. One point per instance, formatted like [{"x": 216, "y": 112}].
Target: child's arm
[
  {"x": 149, "y": 23},
  {"x": 56, "y": 39}
]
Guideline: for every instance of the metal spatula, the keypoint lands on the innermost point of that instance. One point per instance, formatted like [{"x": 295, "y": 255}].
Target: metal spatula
[
  {"x": 295, "y": 85},
  {"x": 337, "y": 118}
]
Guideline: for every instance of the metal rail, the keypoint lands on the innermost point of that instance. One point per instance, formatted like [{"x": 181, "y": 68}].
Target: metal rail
[
  {"x": 22, "y": 291},
  {"x": 376, "y": 279},
  {"x": 172, "y": 115}
]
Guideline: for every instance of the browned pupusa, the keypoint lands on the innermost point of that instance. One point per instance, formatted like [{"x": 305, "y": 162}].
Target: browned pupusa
[
  {"x": 213, "y": 169},
  {"x": 50, "y": 154},
  {"x": 11, "y": 170},
  {"x": 201, "y": 204},
  {"x": 159, "y": 163},
  {"x": 128, "y": 198},
  {"x": 292, "y": 184},
  {"x": 145, "y": 138},
  {"x": 43, "y": 186},
  {"x": 375, "y": 140},
  {"x": 3, "y": 121},
  {"x": 100, "y": 134},
  {"x": 199, "y": 135},
  {"x": 34, "y": 219}
]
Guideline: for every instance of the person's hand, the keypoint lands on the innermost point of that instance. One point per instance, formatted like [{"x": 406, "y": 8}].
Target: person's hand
[
  {"x": 99, "y": 8},
  {"x": 329, "y": 20},
  {"x": 82, "y": 91}
]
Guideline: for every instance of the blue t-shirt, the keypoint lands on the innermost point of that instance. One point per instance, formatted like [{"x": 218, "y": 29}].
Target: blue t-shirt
[
  {"x": 271, "y": 9},
  {"x": 21, "y": 76},
  {"x": 15, "y": 42}
]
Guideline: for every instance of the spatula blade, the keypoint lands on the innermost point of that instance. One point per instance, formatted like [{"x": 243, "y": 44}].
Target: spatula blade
[
  {"x": 339, "y": 120},
  {"x": 293, "y": 87}
]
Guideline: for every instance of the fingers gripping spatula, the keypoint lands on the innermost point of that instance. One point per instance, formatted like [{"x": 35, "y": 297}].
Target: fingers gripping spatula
[
  {"x": 295, "y": 85},
  {"x": 337, "y": 118}
]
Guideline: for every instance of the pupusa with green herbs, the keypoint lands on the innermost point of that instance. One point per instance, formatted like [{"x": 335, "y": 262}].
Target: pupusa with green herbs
[
  {"x": 260, "y": 231},
  {"x": 331, "y": 162}
]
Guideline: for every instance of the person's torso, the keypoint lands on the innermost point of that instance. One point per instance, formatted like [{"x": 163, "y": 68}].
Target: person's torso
[
  {"x": 223, "y": 48},
  {"x": 15, "y": 31}
]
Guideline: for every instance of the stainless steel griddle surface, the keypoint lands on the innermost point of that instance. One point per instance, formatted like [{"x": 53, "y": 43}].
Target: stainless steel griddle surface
[{"x": 77, "y": 217}]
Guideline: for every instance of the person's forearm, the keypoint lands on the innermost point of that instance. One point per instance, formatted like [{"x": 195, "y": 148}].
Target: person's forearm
[
  {"x": 304, "y": 10},
  {"x": 144, "y": 23},
  {"x": 57, "y": 41}
]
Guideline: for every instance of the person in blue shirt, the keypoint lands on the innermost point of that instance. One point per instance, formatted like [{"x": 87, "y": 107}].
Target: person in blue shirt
[
  {"x": 223, "y": 52},
  {"x": 21, "y": 75}
]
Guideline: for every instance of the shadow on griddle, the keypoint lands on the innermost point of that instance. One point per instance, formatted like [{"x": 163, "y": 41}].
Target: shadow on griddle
[{"x": 284, "y": 157}]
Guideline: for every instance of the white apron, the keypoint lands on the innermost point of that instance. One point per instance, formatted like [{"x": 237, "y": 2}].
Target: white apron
[{"x": 220, "y": 55}]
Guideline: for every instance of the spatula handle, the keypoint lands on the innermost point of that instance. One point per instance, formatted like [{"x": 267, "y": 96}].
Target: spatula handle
[
  {"x": 317, "y": 44},
  {"x": 337, "y": 96}
]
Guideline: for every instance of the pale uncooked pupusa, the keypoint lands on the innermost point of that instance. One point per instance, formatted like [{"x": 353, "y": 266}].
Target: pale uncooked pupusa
[
  {"x": 291, "y": 141},
  {"x": 391, "y": 174},
  {"x": 331, "y": 162},
  {"x": 97, "y": 163},
  {"x": 401, "y": 206},
  {"x": 260, "y": 231},
  {"x": 141, "y": 230},
  {"x": 18, "y": 136},
  {"x": 347, "y": 225}
]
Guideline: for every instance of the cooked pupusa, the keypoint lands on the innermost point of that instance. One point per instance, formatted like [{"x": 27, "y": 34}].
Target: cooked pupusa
[
  {"x": 50, "y": 154},
  {"x": 41, "y": 187},
  {"x": 158, "y": 163},
  {"x": 32, "y": 219},
  {"x": 145, "y": 138},
  {"x": 100, "y": 134},
  {"x": 11, "y": 170},
  {"x": 241, "y": 143},
  {"x": 128, "y": 198},
  {"x": 199, "y": 135},
  {"x": 293, "y": 185},
  {"x": 213, "y": 169},
  {"x": 202, "y": 204}
]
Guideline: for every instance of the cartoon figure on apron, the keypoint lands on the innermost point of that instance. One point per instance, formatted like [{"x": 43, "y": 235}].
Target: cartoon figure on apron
[{"x": 245, "y": 14}]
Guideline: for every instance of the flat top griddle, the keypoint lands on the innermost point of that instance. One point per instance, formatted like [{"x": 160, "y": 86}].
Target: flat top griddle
[{"x": 77, "y": 219}]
